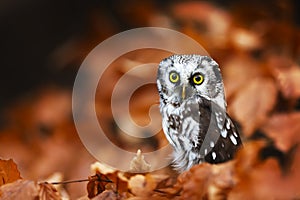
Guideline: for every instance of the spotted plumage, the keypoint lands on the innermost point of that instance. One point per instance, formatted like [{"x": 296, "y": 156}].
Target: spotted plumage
[{"x": 193, "y": 108}]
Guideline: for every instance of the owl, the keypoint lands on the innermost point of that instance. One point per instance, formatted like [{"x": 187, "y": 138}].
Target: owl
[{"x": 193, "y": 109}]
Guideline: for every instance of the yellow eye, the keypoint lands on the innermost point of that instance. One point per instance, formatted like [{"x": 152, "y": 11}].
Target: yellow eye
[
  {"x": 174, "y": 77},
  {"x": 198, "y": 78}
]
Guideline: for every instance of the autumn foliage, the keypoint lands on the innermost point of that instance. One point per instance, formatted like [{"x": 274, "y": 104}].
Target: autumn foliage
[{"x": 259, "y": 57}]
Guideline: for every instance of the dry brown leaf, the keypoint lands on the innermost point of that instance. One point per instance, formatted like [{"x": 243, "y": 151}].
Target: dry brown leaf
[
  {"x": 97, "y": 184},
  {"x": 107, "y": 195},
  {"x": 247, "y": 158},
  {"x": 147, "y": 198},
  {"x": 55, "y": 178},
  {"x": 288, "y": 80},
  {"x": 102, "y": 168},
  {"x": 20, "y": 189},
  {"x": 284, "y": 129},
  {"x": 8, "y": 171},
  {"x": 48, "y": 192},
  {"x": 238, "y": 72},
  {"x": 207, "y": 181},
  {"x": 258, "y": 183},
  {"x": 223, "y": 180},
  {"x": 259, "y": 179},
  {"x": 253, "y": 103},
  {"x": 141, "y": 185},
  {"x": 118, "y": 178},
  {"x": 165, "y": 186},
  {"x": 106, "y": 178},
  {"x": 127, "y": 185},
  {"x": 29, "y": 190}
]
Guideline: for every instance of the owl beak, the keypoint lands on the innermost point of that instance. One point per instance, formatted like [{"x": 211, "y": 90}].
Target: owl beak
[{"x": 183, "y": 92}]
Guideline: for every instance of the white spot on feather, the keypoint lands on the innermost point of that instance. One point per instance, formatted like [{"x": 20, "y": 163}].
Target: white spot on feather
[
  {"x": 233, "y": 140},
  {"x": 235, "y": 135},
  {"x": 224, "y": 133},
  {"x": 219, "y": 123},
  {"x": 214, "y": 155},
  {"x": 228, "y": 124}
]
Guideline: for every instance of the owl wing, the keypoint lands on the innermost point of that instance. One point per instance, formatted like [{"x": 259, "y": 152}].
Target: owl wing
[
  {"x": 218, "y": 138},
  {"x": 227, "y": 144}
]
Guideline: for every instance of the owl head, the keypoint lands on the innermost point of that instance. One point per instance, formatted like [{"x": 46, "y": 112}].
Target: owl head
[{"x": 181, "y": 77}]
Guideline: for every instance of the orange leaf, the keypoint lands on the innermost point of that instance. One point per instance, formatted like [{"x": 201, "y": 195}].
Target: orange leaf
[
  {"x": 20, "y": 189},
  {"x": 284, "y": 129},
  {"x": 206, "y": 181},
  {"x": 259, "y": 179},
  {"x": 238, "y": 72},
  {"x": 253, "y": 103},
  {"x": 8, "y": 172},
  {"x": 288, "y": 81},
  {"x": 29, "y": 190}
]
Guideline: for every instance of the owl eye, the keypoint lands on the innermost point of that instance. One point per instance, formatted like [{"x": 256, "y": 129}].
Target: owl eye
[
  {"x": 174, "y": 77},
  {"x": 198, "y": 79}
]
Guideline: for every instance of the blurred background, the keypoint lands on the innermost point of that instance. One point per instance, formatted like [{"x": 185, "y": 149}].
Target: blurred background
[{"x": 256, "y": 43}]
